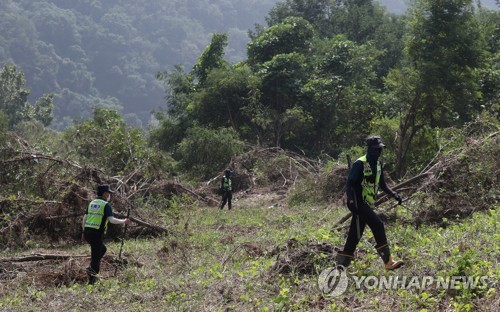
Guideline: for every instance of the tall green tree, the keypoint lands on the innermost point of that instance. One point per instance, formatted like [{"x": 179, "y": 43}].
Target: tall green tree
[
  {"x": 439, "y": 86},
  {"x": 279, "y": 55},
  {"x": 4, "y": 122},
  {"x": 211, "y": 58},
  {"x": 316, "y": 12},
  {"x": 207, "y": 95},
  {"x": 179, "y": 87},
  {"x": 342, "y": 93},
  {"x": 281, "y": 81},
  {"x": 14, "y": 99},
  {"x": 489, "y": 74},
  {"x": 226, "y": 93},
  {"x": 293, "y": 34},
  {"x": 361, "y": 21}
]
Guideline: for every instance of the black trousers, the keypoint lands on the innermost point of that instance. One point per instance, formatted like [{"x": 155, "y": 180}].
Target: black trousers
[
  {"x": 97, "y": 249},
  {"x": 226, "y": 197},
  {"x": 366, "y": 216}
]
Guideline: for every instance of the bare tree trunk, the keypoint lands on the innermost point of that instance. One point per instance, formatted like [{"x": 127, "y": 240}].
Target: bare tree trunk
[{"x": 407, "y": 131}]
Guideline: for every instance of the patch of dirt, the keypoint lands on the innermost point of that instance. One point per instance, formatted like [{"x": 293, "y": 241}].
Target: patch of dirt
[{"x": 292, "y": 258}]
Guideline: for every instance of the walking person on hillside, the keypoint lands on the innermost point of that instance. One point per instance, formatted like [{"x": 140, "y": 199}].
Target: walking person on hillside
[
  {"x": 95, "y": 224},
  {"x": 227, "y": 189},
  {"x": 365, "y": 178}
]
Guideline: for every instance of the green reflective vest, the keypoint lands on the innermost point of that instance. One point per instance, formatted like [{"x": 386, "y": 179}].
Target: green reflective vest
[
  {"x": 227, "y": 184},
  {"x": 95, "y": 213},
  {"x": 368, "y": 184}
]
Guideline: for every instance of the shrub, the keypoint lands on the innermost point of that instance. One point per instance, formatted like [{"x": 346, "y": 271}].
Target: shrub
[
  {"x": 106, "y": 142},
  {"x": 204, "y": 152}
]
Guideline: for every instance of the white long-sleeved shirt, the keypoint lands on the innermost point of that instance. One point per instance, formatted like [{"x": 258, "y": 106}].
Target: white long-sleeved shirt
[{"x": 110, "y": 219}]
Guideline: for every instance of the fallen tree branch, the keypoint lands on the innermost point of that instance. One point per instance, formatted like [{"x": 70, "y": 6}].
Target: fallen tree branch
[
  {"x": 29, "y": 201},
  {"x": 139, "y": 221},
  {"x": 34, "y": 156},
  {"x": 155, "y": 227},
  {"x": 39, "y": 257},
  {"x": 400, "y": 186},
  {"x": 206, "y": 199},
  {"x": 69, "y": 215},
  {"x": 213, "y": 179}
]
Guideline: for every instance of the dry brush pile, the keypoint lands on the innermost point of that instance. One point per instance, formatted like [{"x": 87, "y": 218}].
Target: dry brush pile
[
  {"x": 455, "y": 184},
  {"x": 43, "y": 196}
]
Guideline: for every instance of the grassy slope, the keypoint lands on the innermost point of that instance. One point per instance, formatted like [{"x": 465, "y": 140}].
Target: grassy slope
[{"x": 209, "y": 267}]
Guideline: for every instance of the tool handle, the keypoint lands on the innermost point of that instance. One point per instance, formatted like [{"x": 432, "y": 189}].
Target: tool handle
[
  {"x": 123, "y": 240},
  {"x": 352, "y": 190},
  {"x": 124, "y": 234}
]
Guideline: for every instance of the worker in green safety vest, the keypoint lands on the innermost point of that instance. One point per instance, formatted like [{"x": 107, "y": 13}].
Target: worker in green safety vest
[
  {"x": 365, "y": 178},
  {"x": 226, "y": 186},
  {"x": 95, "y": 224}
]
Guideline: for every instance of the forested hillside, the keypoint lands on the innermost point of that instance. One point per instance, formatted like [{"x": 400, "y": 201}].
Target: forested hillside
[
  {"x": 400, "y": 6},
  {"x": 106, "y": 53},
  {"x": 316, "y": 78},
  {"x": 91, "y": 53}
]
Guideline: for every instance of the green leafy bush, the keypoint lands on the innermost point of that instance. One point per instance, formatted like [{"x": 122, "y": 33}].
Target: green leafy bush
[
  {"x": 107, "y": 143},
  {"x": 203, "y": 153}
]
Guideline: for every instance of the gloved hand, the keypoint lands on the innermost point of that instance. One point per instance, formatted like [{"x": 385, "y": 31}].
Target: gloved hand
[
  {"x": 351, "y": 206},
  {"x": 398, "y": 198}
]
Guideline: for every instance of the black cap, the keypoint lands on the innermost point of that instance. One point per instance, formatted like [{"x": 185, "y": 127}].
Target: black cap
[
  {"x": 101, "y": 189},
  {"x": 227, "y": 171},
  {"x": 374, "y": 142}
]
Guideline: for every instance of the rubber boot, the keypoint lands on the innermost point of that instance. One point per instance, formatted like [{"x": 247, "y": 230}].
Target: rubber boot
[
  {"x": 385, "y": 254},
  {"x": 343, "y": 259},
  {"x": 92, "y": 276}
]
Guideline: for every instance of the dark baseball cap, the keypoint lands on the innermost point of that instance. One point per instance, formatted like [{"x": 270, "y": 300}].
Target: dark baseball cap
[
  {"x": 374, "y": 142},
  {"x": 101, "y": 189}
]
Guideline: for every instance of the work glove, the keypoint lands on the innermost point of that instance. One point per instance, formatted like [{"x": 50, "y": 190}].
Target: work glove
[
  {"x": 351, "y": 206},
  {"x": 398, "y": 198}
]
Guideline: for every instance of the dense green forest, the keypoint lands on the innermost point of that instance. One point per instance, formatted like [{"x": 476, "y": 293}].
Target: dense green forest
[
  {"x": 314, "y": 78},
  {"x": 318, "y": 78},
  {"x": 323, "y": 74},
  {"x": 106, "y": 53}
]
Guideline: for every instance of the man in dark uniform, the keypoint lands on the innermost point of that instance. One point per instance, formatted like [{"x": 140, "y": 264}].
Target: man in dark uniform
[
  {"x": 95, "y": 225},
  {"x": 227, "y": 189},
  {"x": 365, "y": 178}
]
